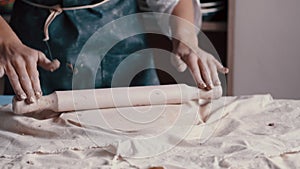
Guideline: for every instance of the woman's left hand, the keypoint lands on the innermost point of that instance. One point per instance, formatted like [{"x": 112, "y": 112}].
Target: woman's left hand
[{"x": 203, "y": 66}]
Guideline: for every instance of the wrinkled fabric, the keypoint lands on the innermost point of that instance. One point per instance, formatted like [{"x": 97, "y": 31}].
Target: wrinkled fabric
[
  {"x": 232, "y": 132},
  {"x": 68, "y": 33}
]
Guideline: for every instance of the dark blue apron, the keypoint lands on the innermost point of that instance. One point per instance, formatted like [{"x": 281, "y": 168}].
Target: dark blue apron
[{"x": 68, "y": 33}]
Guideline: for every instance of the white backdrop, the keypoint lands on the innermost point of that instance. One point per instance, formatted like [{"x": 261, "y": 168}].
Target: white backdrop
[{"x": 266, "y": 48}]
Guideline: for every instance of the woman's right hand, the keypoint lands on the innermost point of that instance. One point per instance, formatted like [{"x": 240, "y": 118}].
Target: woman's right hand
[{"x": 20, "y": 62}]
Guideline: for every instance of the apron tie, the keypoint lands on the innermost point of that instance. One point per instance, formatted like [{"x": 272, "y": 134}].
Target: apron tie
[{"x": 56, "y": 10}]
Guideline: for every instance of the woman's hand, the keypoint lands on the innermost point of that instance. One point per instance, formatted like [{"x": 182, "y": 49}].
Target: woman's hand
[
  {"x": 20, "y": 62},
  {"x": 202, "y": 65}
]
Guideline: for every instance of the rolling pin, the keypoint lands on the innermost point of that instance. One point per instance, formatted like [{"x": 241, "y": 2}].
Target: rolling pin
[{"x": 65, "y": 101}]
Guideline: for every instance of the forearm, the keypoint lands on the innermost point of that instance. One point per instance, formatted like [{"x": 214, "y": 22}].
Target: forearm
[
  {"x": 185, "y": 9},
  {"x": 184, "y": 27}
]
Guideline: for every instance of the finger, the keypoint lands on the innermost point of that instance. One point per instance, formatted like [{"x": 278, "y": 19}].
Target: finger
[
  {"x": 46, "y": 64},
  {"x": 221, "y": 68},
  {"x": 24, "y": 81},
  {"x": 214, "y": 74},
  {"x": 178, "y": 63},
  {"x": 34, "y": 78},
  {"x": 14, "y": 81},
  {"x": 1, "y": 71},
  {"x": 180, "y": 50},
  {"x": 205, "y": 74},
  {"x": 191, "y": 61}
]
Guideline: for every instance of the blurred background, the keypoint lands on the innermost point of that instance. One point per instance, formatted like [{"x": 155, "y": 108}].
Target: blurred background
[
  {"x": 258, "y": 40},
  {"x": 263, "y": 42},
  {"x": 264, "y": 47}
]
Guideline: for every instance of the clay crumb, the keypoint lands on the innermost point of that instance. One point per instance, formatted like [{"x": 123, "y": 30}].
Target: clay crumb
[
  {"x": 75, "y": 149},
  {"x": 29, "y": 162}
]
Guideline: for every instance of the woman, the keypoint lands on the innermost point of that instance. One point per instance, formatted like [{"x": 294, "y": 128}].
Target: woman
[{"x": 52, "y": 41}]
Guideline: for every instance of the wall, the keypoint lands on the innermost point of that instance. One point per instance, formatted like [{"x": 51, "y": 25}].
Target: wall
[{"x": 266, "y": 48}]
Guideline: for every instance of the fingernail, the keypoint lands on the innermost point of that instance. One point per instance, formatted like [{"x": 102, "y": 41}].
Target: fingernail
[
  {"x": 217, "y": 83},
  {"x": 202, "y": 85},
  {"x": 38, "y": 94},
  {"x": 210, "y": 86},
  {"x": 31, "y": 100},
  {"x": 226, "y": 70},
  {"x": 23, "y": 96}
]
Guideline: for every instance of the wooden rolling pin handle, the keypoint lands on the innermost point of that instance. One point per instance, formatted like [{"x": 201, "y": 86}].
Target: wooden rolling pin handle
[{"x": 45, "y": 103}]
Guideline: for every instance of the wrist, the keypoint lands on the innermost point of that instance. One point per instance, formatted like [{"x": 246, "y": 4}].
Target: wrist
[{"x": 189, "y": 39}]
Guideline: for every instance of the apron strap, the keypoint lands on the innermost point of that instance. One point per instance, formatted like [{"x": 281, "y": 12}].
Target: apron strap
[{"x": 56, "y": 10}]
